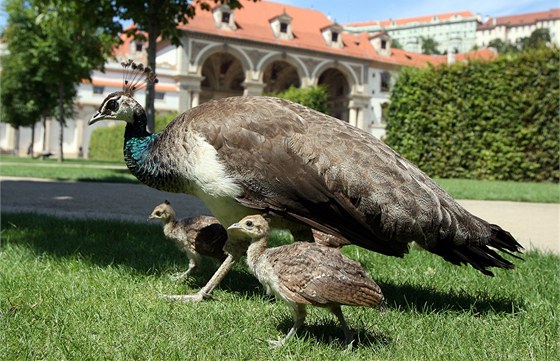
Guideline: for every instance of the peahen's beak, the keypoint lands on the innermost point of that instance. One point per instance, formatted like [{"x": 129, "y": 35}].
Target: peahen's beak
[
  {"x": 235, "y": 226},
  {"x": 95, "y": 118}
]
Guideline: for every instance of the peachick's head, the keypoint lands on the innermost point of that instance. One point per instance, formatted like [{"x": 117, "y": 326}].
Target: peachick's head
[
  {"x": 163, "y": 212},
  {"x": 254, "y": 227}
]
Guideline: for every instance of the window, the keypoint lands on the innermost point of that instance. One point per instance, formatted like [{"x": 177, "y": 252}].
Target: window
[
  {"x": 284, "y": 28},
  {"x": 225, "y": 17},
  {"x": 334, "y": 37},
  {"x": 98, "y": 89},
  {"x": 385, "y": 81},
  {"x": 139, "y": 47},
  {"x": 383, "y": 44},
  {"x": 159, "y": 95}
]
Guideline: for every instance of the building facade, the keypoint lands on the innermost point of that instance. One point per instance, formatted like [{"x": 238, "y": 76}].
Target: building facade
[
  {"x": 510, "y": 29},
  {"x": 263, "y": 48},
  {"x": 453, "y": 32}
]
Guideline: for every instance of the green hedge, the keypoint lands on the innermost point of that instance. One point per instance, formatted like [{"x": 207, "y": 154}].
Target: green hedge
[
  {"x": 485, "y": 120},
  {"x": 107, "y": 143},
  {"x": 314, "y": 97}
]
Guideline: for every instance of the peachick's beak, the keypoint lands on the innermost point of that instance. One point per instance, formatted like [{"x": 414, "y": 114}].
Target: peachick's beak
[
  {"x": 150, "y": 218},
  {"x": 234, "y": 226},
  {"x": 96, "y": 117}
]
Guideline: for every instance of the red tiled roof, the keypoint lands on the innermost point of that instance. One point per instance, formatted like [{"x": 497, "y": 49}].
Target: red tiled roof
[
  {"x": 521, "y": 19},
  {"x": 253, "y": 24},
  {"x": 418, "y": 19}
]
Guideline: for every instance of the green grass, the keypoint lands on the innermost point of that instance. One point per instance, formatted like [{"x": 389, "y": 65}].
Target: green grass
[
  {"x": 83, "y": 289},
  {"x": 85, "y": 170},
  {"x": 71, "y": 169}
]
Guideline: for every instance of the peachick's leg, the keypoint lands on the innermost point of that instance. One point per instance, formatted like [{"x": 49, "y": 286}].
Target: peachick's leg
[
  {"x": 183, "y": 275},
  {"x": 206, "y": 291},
  {"x": 299, "y": 313},
  {"x": 347, "y": 334}
]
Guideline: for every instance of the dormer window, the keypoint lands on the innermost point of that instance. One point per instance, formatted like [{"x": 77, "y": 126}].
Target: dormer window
[
  {"x": 282, "y": 26},
  {"x": 381, "y": 42},
  {"x": 333, "y": 35},
  {"x": 224, "y": 17},
  {"x": 139, "y": 47}
]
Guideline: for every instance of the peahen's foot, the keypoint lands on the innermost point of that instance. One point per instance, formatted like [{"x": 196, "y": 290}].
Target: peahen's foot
[{"x": 196, "y": 297}]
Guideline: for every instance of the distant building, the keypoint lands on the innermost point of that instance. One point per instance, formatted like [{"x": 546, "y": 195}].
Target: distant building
[
  {"x": 263, "y": 48},
  {"x": 454, "y": 32},
  {"x": 511, "y": 28}
]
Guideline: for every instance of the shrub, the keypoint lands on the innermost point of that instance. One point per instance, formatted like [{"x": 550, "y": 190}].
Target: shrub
[
  {"x": 484, "y": 120},
  {"x": 314, "y": 97}
]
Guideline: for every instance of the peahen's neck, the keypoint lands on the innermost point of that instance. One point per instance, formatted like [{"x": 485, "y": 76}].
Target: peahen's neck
[{"x": 141, "y": 155}]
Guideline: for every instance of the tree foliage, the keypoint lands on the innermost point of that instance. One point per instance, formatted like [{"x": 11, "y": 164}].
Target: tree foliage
[
  {"x": 315, "y": 97},
  {"x": 538, "y": 38},
  {"x": 484, "y": 120},
  {"x": 429, "y": 46}
]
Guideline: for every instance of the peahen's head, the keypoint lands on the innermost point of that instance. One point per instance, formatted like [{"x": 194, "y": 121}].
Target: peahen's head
[{"x": 119, "y": 106}]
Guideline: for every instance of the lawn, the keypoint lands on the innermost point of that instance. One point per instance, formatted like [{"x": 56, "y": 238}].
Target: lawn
[
  {"x": 84, "y": 289},
  {"x": 85, "y": 170}
]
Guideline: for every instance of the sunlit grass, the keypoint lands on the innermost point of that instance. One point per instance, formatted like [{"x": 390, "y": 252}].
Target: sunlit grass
[{"x": 84, "y": 289}]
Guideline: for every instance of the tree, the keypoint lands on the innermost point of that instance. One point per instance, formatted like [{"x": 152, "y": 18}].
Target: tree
[
  {"x": 429, "y": 46},
  {"x": 395, "y": 44},
  {"x": 24, "y": 98},
  {"x": 69, "y": 40},
  {"x": 314, "y": 97},
  {"x": 160, "y": 20}
]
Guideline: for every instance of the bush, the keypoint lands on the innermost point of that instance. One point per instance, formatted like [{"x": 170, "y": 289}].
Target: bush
[
  {"x": 484, "y": 120},
  {"x": 107, "y": 143},
  {"x": 314, "y": 97}
]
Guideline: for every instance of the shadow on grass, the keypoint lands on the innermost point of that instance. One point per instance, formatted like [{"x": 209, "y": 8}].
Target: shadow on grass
[
  {"x": 141, "y": 248},
  {"x": 331, "y": 333},
  {"x": 144, "y": 249},
  {"x": 429, "y": 300}
]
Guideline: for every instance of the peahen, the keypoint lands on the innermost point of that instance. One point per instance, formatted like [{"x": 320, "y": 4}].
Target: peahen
[
  {"x": 307, "y": 170},
  {"x": 304, "y": 273}
]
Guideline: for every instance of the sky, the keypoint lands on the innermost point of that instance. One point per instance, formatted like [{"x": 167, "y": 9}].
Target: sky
[{"x": 347, "y": 11}]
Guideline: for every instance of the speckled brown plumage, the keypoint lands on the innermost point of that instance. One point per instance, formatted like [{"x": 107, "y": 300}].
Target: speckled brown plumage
[
  {"x": 197, "y": 236},
  {"x": 308, "y": 171},
  {"x": 304, "y": 273}
]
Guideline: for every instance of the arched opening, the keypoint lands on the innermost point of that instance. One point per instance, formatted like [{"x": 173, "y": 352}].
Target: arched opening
[
  {"x": 223, "y": 77},
  {"x": 338, "y": 91},
  {"x": 280, "y": 75}
]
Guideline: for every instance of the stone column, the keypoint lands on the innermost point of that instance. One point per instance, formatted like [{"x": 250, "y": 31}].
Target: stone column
[
  {"x": 189, "y": 91},
  {"x": 253, "y": 88}
]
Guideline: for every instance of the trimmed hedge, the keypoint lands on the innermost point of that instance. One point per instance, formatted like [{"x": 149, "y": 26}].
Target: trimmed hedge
[
  {"x": 314, "y": 97},
  {"x": 485, "y": 120},
  {"x": 107, "y": 143}
]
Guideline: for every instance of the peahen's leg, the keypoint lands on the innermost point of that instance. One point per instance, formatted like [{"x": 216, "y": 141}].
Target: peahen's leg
[{"x": 206, "y": 291}]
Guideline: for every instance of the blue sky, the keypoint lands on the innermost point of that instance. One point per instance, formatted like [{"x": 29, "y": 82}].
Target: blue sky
[{"x": 345, "y": 11}]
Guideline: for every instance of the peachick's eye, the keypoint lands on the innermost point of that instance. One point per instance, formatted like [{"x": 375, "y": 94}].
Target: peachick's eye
[{"x": 249, "y": 223}]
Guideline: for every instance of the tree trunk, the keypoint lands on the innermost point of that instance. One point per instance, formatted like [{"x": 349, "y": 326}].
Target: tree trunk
[
  {"x": 44, "y": 150},
  {"x": 16, "y": 141},
  {"x": 153, "y": 31},
  {"x": 61, "y": 122},
  {"x": 31, "y": 145}
]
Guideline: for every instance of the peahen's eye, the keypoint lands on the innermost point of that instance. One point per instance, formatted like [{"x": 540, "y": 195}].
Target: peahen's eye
[
  {"x": 112, "y": 105},
  {"x": 249, "y": 223}
]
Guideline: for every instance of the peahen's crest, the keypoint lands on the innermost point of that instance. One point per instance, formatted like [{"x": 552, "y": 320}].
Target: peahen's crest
[{"x": 136, "y": 76}]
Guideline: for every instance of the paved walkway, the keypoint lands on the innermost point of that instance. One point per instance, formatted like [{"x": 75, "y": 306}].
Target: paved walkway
[{"x": 535, "y": 225}]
